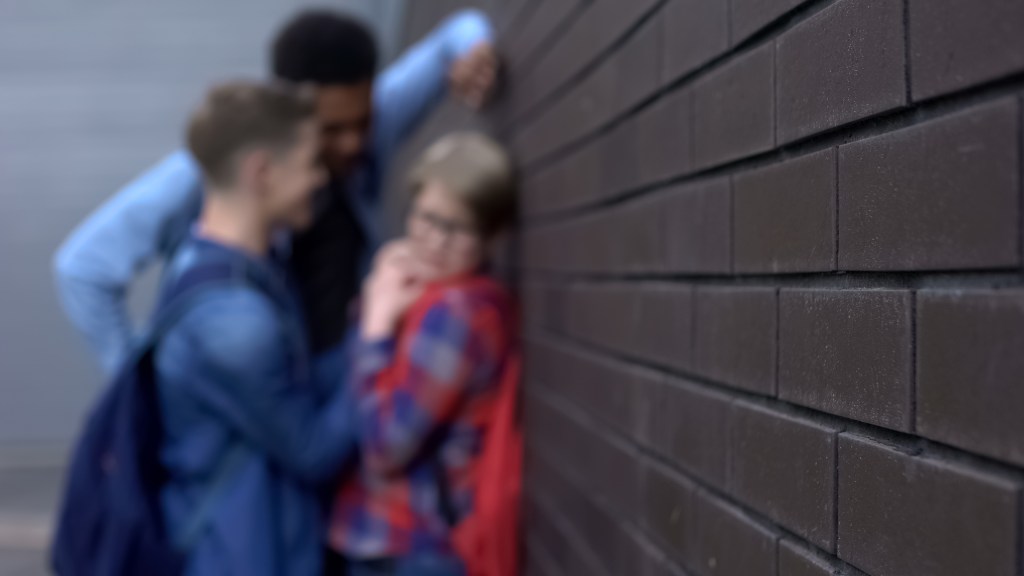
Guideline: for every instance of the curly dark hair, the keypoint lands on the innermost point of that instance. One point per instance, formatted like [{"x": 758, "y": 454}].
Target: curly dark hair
[{"x": 324, "y": 47}]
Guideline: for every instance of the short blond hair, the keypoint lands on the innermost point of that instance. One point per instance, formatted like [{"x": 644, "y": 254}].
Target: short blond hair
[
  {"x": 238, "y": 116},
  {"x": 478, "y": 171}
]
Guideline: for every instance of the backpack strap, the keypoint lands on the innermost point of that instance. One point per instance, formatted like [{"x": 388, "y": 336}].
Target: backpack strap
[
  {"x": 184, "y": 293},
  {"x": 229, "y": 465},
  {"x": 180, "y": 297}
]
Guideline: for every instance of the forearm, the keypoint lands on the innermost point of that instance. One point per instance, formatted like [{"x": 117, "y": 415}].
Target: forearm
[
  {"x": 397, "y": 416},
  {"x": 98, "y": 261},
  {"x": 98, "y": 313},
  {"x": 329, "y": 440}
]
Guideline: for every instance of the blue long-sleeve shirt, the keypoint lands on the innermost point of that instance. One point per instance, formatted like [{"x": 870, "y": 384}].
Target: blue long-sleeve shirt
[
  {"x": 145, "y": 220},
  {"x": 233, "y": 379}
]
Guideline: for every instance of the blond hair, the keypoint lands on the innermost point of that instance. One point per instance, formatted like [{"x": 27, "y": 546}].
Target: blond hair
[
  {"x": 477, "y": 171},
  {"x": 237, "y": 116}
]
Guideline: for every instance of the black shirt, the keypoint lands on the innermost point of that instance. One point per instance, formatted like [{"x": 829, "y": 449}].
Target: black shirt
[{"x": 325, "y": 261}]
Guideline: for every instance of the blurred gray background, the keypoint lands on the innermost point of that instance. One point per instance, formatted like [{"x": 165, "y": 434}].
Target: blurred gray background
[{"x": 91, "y": 93}]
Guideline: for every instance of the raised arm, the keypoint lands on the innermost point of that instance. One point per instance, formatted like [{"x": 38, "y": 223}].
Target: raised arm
[
  {"x": 98, "y": 261},
  {"x": 410, "y": 87}
]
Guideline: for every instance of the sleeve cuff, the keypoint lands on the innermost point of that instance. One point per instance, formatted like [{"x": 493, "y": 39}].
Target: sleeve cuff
[
  {"x": 470, "y": 27},
  {"x": 373, "y": 356}
]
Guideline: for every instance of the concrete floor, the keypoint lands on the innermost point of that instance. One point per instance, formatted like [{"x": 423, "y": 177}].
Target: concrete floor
[{"x": 27, "y": 502}]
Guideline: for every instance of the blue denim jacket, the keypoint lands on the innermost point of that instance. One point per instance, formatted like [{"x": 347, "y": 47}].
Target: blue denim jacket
[
  {"x": 143, "y": 222},
  {"x": 234, "y": 375}
]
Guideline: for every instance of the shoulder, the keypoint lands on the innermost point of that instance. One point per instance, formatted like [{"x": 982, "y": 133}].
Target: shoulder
[
  {"x": 170, "y": 182},
  {"x": 232, "y": 328},
  {"x": 472, "y": 307}
]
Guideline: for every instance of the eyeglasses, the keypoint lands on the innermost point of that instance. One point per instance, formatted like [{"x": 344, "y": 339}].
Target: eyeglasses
[{"x": 449, "y": 228}]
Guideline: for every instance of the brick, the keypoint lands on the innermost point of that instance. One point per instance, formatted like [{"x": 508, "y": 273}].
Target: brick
[
  {"x": 632, "y": 556},
  {"x": 665, "y": 138},
  {"x": 653, "y": 145},
  {"x": 669, "y": 510},
  {"x": 690, "y": 426},
  {"x": 734, "y": 343},
  {"x": 695, "y": 32},
  {"x": 844, "y": 64},
  {"x": 749, "y": 16},
  {"x": 596, "y": 464},
  {"x": 557, "y": 309},
  {"x": 615, "y": 473},
  {"x": 606, "y": 316},
  {"x": 536, "y": 253},
  {"x": 795, "y": 560},
  {"x": 627, "y": 238},
  {"x": 605, "y": 538},
  {"x": 543, "y": 424},
  {"x": 904, "y": 515},
  {"x": 697, "y": 224},
  {"x": 784, "y": 217},
  {"x": 617, "y": 84},
  {"x": 535, "y": 298},
  {"x": 614, "y": 85},
  {"x": 939, "y": 196},
  {"x": 545, "y": 20},
  {"x": 583, "y": 175},
  {"x": 784, "y": 467},
  {"x": 659, "y": 565},
  {"x": 586, "y": 528},
  {"x": 600, "y": 25},
  {"x": 560, "y": 366},
  {"x": 549, "y": 420},
  {"x": 511, "y": 13},
  {"x": 582, "y": 246},
  {"x": 847, "y": 353},
  {"x": 566, "y": 249},
  {"x": 542, "y": 360},
  {"x": 544, "y": 529},
  {"x": 533, "y": 481},
  {"x": 538, "y": 563},
  {"x": 956, "y": 44},
  {"x": 734, "y": 109},
  {"x": 969, "y": 367},
  {"x": 665, "y": 333},
  {"x": 538, "y": 192},
  {"x": 623, "y": 401},
  {"x": 584, "y": 107},
  {"x": 635, "y": 67},
  {"x": 622, "y": 149},
  {"x": 569, "y": 183},
  {"x": 636, "y": 236},
  {"x": 523, "y": 143},
  {"x": 558, "y": 248},
  {"x": 729, "y": 543}
]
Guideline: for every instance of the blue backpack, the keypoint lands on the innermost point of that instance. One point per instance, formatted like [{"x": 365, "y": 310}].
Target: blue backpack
[{"x": 110, "y": 521}]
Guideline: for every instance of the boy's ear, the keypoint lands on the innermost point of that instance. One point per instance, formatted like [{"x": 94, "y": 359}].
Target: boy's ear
[{"x": 254, "y": 169}]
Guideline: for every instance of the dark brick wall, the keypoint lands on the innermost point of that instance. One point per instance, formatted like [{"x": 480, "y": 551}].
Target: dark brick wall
[{"x": 771, "y": 264}]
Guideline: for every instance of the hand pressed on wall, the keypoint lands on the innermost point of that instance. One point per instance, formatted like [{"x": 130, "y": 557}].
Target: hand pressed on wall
[{"x": 473, "y": 77}]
